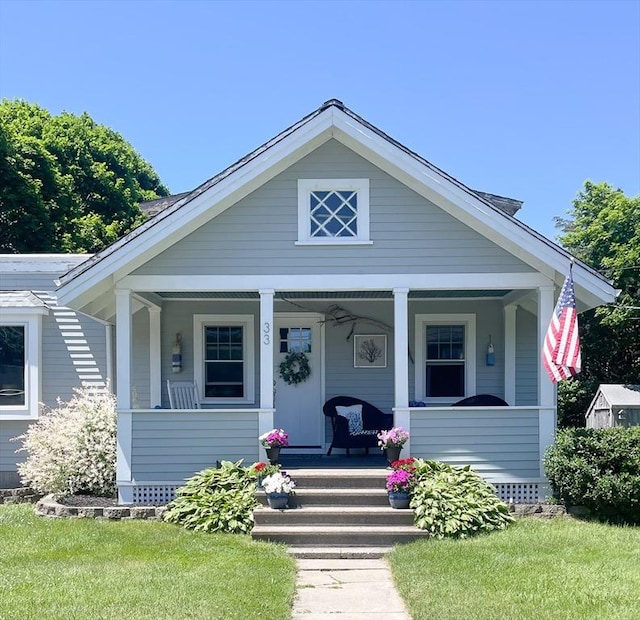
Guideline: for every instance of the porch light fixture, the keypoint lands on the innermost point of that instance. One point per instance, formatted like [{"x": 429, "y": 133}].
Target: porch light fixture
[
  {"x": 176, "y": 355},
  {"x": 491, "y": 355}
]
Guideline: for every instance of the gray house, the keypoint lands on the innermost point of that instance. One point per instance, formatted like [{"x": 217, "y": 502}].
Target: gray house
[
  {"x": 614, "y": 404},
  {"x": 45, "y": 350},
  {"x": 326, "y": 237}
]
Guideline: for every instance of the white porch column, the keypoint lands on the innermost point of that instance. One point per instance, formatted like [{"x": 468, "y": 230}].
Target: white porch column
[
  {"x": 123, "y": 393},
  {"x": 155, "y": 357},
  {"x": 546, "y": 388},
  {"x": 267, "y": 337},
  {"x": 510, "y": 354},
  {"x": 401, "y": 361}
]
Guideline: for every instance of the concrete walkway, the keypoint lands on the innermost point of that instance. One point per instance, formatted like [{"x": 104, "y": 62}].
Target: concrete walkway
[{"x": 346, "y": 590}]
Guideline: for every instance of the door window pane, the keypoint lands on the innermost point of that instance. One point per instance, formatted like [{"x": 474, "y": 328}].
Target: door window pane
[{"x": 296, "y": 339}]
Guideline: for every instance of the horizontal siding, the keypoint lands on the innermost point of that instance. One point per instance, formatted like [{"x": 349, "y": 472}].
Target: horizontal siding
[
  {"x": 59, "y": 373},
  {"x": 170, "y": 446},
  {"x": 497, "y": 444},
  {"x": 258, "y": 234},
  {"x": 526, "y": 358},
  {"x": 8, "y": 457}
]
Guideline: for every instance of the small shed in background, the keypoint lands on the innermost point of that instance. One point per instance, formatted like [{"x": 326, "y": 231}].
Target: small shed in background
[{"x": 614, "y": 404}]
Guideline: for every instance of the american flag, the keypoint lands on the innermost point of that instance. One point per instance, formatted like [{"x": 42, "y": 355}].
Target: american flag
[{"x": 561, "y": 350}]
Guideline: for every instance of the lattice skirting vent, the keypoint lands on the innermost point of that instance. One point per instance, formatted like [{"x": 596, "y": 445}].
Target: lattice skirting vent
[
  {"x": 518, "y": 492},
  {"x": 154, "y": 494}
]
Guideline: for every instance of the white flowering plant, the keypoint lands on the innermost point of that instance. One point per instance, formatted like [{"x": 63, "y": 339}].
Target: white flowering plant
[
  {"x": 72, "y": 448},
  {"x": 278, "y": 483}
]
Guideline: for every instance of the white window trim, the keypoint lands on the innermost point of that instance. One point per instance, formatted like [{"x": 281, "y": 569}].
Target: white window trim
[
  {"x": 421, "y": 322},
  {"x": 32, "y": 323},
  {"x": 305, "y": 186},
  {"x": 248, "y": 353}
]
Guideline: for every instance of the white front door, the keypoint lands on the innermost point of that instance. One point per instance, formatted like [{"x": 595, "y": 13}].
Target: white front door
[{"x": 298, "y": 408}]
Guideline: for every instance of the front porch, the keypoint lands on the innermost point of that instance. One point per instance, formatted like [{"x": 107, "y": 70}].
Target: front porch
[{"x": 159, "y": 447}]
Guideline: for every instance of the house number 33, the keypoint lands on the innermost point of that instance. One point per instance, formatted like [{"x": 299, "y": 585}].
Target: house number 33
[{"x": 266, "y": 333}]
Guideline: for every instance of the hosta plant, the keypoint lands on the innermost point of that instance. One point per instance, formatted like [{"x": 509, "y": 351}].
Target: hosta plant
[
  {"x": 216, "y": 500},
  {"x": 455, "y": 502},
  {"x": 72, "y": 449}
]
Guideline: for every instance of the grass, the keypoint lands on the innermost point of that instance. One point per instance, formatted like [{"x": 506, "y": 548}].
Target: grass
[
  {"x": 560, "y": 569},
  {"x": 97, "y": 569}
]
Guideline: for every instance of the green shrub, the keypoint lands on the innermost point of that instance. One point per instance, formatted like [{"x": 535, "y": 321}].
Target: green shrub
[
  {"x": 72, "y": 449},
  {"x": 598, "y": 469},
  {"x": 455, "y": 502},
  {"x": 216, "y": 500}
]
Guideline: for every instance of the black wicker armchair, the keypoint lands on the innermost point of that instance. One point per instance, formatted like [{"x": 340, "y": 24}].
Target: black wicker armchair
[{"x": 372, "y": 422}]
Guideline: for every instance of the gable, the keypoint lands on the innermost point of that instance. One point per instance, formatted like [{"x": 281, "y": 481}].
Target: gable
[
  {"x": 258, "y": 235},
  {"x": 97, "y": 277}
]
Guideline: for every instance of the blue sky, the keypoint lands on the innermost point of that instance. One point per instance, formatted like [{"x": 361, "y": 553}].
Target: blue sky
[{"x": 523, "y": 99}]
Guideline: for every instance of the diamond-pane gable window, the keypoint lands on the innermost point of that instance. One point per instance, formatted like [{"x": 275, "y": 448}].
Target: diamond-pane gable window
[
  {"x": 333, "y": 211},
  {"x": 334, "y": 214}
]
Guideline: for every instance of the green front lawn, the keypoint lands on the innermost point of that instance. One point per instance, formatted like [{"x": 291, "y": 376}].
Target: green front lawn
[
  {"x": 561, "y": 569},
  {"x": 97, "y": 569}
]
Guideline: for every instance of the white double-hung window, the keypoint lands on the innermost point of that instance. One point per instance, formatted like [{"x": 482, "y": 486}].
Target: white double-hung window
[
  {"x": 224, "y": 357},
  {"x": 445, "y": 357},
  {"x": 333, "y": 211}
]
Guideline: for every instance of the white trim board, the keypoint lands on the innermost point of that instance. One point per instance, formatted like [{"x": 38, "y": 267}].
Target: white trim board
[{"x": 337, "y": 282}]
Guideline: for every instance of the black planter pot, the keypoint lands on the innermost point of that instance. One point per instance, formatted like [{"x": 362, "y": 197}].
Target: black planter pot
[
  {"x": 393, "y": 454},
  {"x": 273, "y": 454}
]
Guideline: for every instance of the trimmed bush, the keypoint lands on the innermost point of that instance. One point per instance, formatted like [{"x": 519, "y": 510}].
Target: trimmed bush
[
  {"x": 598, "y": 469},
  {"x": 216, "y": 500},
  {"x": 455, "y": 502},
  {"x": 72, "y": 449}
]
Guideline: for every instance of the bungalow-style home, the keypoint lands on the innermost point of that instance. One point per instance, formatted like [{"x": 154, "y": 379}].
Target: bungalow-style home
[
  {"x": 398, "y": 284},
  {"x": 615, "y": 404}
]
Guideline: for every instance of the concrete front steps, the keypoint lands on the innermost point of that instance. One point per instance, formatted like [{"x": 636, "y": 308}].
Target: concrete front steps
[{"x": 336, "y": 514}]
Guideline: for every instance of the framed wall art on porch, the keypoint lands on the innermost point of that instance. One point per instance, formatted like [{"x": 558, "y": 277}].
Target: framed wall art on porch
[{"x": 370, "y": 351}]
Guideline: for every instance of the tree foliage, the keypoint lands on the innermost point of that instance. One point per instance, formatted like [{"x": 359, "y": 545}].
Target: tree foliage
[
  {"x": 604, "y": 231},
  {"x": 67, "y": 184}
]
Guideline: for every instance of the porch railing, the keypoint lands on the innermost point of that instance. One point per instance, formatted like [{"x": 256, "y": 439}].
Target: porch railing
[{"x": 168, "y": 446}]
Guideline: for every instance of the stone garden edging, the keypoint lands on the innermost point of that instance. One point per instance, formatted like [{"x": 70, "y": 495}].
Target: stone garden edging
[
  {"x": 21, "y": 495},
  {"x": 48, "y": 506}
]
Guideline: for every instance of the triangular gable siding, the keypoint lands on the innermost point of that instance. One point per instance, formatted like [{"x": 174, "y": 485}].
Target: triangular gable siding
[{"x": 258, "y": 234}]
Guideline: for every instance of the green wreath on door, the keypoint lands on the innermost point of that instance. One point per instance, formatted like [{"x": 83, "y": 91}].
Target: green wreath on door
[{"x": 295, "y": 368}]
